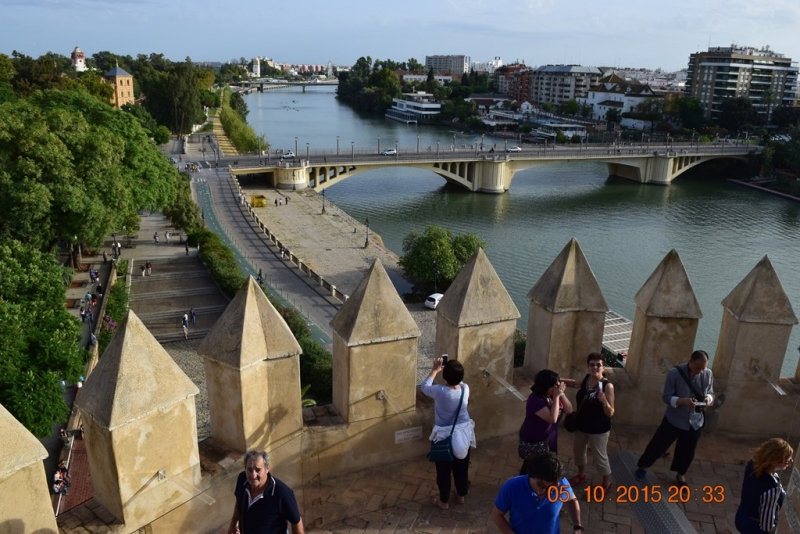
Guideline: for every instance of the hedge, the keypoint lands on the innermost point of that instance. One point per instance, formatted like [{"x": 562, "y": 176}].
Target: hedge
[{"x": 220, "y": 261}]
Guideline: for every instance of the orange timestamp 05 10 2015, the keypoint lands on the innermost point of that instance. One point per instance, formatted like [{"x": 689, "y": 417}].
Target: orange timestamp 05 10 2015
[{"x": 643, "y": 494}]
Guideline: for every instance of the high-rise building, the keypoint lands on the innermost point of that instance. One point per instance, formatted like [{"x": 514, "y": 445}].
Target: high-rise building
[
  {"x": 447, "y": 64},
  {"x": 556, "y": 84},
  {"x": 767, "y": 78}
]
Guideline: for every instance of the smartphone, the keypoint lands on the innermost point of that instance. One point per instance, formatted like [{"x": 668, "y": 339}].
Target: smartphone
[
  {"x": 444, "y": 359},
  {"x": 700, "y": 404}
]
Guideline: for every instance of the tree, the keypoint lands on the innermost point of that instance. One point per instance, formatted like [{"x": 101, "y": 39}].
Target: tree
[
  {"x": 40, "y": 337},
  {"x": 94, "y": 84},
  {"x": 437, "y": 249},
  {"x": 613, "y": 115},
  {"x": 785, "y": 116},
  {"x": 161, "y": 135},
  {"x": 686, "y": 110},
  {"x": 238, "y": 105},
  {"x": 570, "y": 107},
  {"x": 415, "y": 66},
  {"x": 735, "y": 113}
]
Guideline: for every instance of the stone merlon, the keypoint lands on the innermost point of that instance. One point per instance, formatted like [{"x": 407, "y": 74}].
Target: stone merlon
[
  {"x": 760, "y": 298},
  {"x": 668, "y": 293}
]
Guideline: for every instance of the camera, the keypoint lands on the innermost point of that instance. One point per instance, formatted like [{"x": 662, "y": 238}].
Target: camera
[{"x": 699, "y": 407}]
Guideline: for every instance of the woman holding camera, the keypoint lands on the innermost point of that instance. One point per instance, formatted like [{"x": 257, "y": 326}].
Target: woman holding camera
[
  {"x": 595, "y": 400},
  {"x": 452, "y": 418},
  {"x": 762, "y": 492},
  {"x": 545, "y": 407}
]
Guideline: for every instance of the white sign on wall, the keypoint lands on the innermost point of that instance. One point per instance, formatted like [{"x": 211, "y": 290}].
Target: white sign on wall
[{"x": 408, "y": 434}]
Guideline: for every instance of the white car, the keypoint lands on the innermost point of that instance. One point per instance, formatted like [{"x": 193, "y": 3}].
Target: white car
[
  {"x": 513, "y": 149},
  {"x": 287, "y": 155},
  {"x": 433, "y": 300},
  {"x": 389, "y": 152}
]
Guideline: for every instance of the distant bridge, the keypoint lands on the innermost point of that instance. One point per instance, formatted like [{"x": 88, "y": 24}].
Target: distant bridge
[
  {"x": 487, "y": 172},
  {"x": 262, "y": 84}
]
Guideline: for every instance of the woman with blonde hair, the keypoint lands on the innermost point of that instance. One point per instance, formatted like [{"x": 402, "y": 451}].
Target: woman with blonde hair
[{"x": 762, "y": 493}]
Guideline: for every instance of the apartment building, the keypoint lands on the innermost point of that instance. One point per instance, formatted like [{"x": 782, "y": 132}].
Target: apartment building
[
  {"x": 501, "y": 77},
  {"x": 767, "y": 78},
  {"x": 447, "y": 64},
  {"x": 556, "y": 84}
]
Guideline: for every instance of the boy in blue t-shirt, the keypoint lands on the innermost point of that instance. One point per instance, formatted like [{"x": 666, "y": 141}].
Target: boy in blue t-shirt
[{"x": 533, "y": 501}]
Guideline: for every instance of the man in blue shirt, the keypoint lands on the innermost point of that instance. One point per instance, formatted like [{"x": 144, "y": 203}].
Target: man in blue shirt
[
  {"x": 688, "y": 390},
  {"x": 264, "y": 504},
  {"x": 533, "y": 501}
]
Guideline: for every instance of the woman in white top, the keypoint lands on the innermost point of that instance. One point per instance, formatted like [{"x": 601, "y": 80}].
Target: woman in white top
[{"x": 447, "y": 398}]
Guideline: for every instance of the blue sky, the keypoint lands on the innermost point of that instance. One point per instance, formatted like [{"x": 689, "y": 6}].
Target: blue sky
[{"x": 624, "y": 33}]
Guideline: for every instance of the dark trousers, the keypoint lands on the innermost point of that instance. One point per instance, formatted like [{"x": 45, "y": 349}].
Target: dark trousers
[
  {"x": 663, "y": 439},
  {"x": 460, "y": 470}
]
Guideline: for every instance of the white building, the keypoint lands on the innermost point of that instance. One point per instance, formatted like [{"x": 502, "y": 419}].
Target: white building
[
  {"x": 556, "y": 84},
  {"x": 256, "y": 68},
  {"x": 78, "y": 60},
  {"x": 614, "y": 92},
  {"x": 414, "y": 78},
  {"x": 487, "y": 66},
  {"x": 447, "y": 64},
  {"x": 414, "y": 107}
]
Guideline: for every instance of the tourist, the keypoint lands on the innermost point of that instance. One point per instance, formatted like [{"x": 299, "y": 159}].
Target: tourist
[
  {"x": 99, "y": 288},
  {"x": 595, "y": 400},
  {"x": 105, "y": 257},
  {"x": 451, "y": 420},
  {"x": 166, "y": 237},
  {"x": 688, "y": 390},
  {"x": 149, "y": 268},
  {"x": 545, "y": 406},
  {"x": 83, "y": 314},
  {"x": 155, "y": 237},
  {"x": 144, "y": 269},
  {"x": 187, "y": 247},
  {"x": 529, "y": 499},
  {"x": 762, "y": 492},
  {"x": 264, "y": 504},
  {"x": 193, "y": 315},
  {"x": 59, "y": 484}
]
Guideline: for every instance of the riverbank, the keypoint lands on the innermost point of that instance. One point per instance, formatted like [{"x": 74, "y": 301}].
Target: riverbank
[
  {"x": 764, "y": 189},
  {"x": 332, "y": 245}
]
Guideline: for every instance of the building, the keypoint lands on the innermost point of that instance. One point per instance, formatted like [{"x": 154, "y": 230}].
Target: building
[
  {"x": 447, "y": 64},
  {"x": 556, "y": 84},
  {"x": 123, "y": 86},
  {"x": 501, "y": 77},
  {"x": 767, "y": 78},
  {"x": 615, "y": 92},
  {"x": 414, "y": 108},
  {"x": 487, "y": 66},
  {"x": 78, "y": 60},
  {"x": 442, "y": 79},
  {"x": 256, "y": 72}
]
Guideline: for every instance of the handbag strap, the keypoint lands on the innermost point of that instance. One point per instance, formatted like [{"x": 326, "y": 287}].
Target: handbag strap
[
  {"x": 458, "y": 410},
  {"x": 689, "y": 383}
]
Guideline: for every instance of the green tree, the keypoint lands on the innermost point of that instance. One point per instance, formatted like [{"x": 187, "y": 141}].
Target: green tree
[
  {"x": 161, "y": 135},
  {"x": 785, "y": 116},
  {"x": 415, "y": 66},
  {"x": 238, "y": 105},
  {"x": 686, "y": 110},
  {"x": 39, "y": 336},
  {"x": 437, "y": 247},
  {"x": 7, "y": 70},
  {"x": 570, "y": 107},
  {"x": 736, "y": 113},
  {"x": 613, "y": 115},
  {"x": 93, "y": 83}
]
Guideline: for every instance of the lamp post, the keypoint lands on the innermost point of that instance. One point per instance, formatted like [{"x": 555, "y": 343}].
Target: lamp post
[
  {"x": 417, "y": 143},
  {"x": 323, "y": 202},
  {"x": 366, "y": 241},
  {"x": 306, "y": 152},
  {"x": 506, "y": 145},
  {"x": 396, "y": 153},
  {"x": 295, "y": 147},
  {"x": 353, "y": 150},
  {"x": 454, "y": 142},
  {"x": 437, "y": 149},
  {"x": 337, "y": 145},
  {"x": 379, "y": 144},
  {"x": 482, "y": 136}
]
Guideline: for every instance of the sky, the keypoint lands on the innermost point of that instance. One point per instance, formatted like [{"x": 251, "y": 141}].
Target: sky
[{"x": 618, "y": 33}]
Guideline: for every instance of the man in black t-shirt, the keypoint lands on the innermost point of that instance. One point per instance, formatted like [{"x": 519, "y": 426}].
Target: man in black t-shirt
[{"x": 264, "y": 504}]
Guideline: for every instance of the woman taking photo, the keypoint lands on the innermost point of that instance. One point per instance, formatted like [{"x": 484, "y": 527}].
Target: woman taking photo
[
  {"x": 452, "y": 417},
  {"x": 546, "y": 404},
  {"x": 595, "y": 400},
  {"x": 762, "y": 493}
]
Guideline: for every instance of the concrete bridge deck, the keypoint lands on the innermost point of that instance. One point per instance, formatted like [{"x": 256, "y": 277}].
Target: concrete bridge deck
[{"x": 487, "y": 171}]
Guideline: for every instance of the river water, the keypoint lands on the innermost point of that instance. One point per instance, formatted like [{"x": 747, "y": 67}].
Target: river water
[{"x": 625, "y": 229}]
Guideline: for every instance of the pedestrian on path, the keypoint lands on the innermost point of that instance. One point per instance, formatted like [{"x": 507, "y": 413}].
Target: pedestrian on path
[
  {"x": 287, "y": 201},
  {"x": 185, "y": 333},
  {"x": 105, "y": 257},
  {"x": 155, "y": 237},
  {"x": 187, "y": 247},
  {"x": 276, "y": 202},
  {"x": 166, "y": 237},
  {"x": 83, "y": 314},
  {"x": 91, "y": 316},
  {"x": 149, "y": 268},
  {"x": 119, "y": 250},
  {"x": 144, "y": 270},
  {"x": 99, "y": 288},
  {"x": 193, "y": 316}
]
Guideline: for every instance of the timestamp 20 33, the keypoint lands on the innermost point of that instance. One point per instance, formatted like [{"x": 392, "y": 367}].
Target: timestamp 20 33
[{"x": 643, "y": 494}]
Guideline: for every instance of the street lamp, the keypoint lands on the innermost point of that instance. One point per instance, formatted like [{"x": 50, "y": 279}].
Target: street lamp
[
  {"x": 417, "y": 143},
  {"x": 366, "y": 241},
  {"x": 396, "y": 153},
  {"x": 295, "y": 147},
  {"x": 379, "y": 144},
  {"x": 482, "y": 136},
  {"x": 323, "y": 202},
  {"x": 353, "y": 150},
  {"x": 454, "y": 142},
  {"x": 306, "y": 152},
  {"x": 337, "y": 145},
  {"x": 437, "y": 149}
]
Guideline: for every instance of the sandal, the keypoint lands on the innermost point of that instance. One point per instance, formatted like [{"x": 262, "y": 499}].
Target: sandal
[
  {"x": 577, "y": 480},
  {"x": 436, "y": 502}
]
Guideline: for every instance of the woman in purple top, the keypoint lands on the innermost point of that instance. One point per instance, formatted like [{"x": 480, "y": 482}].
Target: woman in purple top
[{"x": 546, "y": 404}]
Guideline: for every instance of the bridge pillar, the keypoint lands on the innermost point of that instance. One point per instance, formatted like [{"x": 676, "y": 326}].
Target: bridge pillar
[
  {"x": 292, "y": 178},
  {"x": 646, "y": 170},
  {"x": 492, "y": 176}
]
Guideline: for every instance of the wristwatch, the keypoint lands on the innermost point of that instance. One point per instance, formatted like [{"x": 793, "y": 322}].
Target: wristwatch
[{"x": 577, "y": 528}]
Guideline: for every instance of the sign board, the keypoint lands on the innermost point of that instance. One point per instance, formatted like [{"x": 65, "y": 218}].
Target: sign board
[{"x": 408, "y": 434}]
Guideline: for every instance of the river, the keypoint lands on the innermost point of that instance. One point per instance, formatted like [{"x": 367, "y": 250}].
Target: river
[{"x": 720, "y": 230}]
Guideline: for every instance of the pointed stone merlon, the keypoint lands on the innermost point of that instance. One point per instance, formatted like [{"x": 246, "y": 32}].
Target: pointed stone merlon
[
  {"x": 141, "y": 432},
  {"x": 252, "y": 364},
  {"x": 666, "y": 320},
  {"x": 24, "y": 489},
  {"x": 475, "y": 324},
  {"x": 374, "y": 349},
  {"x": 756, "y": 325},
  {"x": 566, "y": 315}
]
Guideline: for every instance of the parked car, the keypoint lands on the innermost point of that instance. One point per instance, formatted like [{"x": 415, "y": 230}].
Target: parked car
[
  {"x": 288, "y": 154},
  {"x": 389, "y": 152},
  {"x": 513, "y": 149},
  {"x": 173, "y": 160},
  {"x": 433, "y": 300}
]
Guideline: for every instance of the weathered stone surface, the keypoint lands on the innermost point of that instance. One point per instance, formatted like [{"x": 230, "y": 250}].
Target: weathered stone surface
[
  {"x": 249, "y": 331},
  {"x": 18, "y": 447},
  {"x": 668, "y": 292},
  {"x": 569, "y": 284},
  {"x": 760, "y": 298},
  {"x": 477, "y": 296},
  {"x": 374, "y": 312},
  {"x": 134, "y": 377}
]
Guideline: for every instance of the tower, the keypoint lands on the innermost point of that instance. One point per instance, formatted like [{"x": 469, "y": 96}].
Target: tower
[{"x": 78, "y": 59}]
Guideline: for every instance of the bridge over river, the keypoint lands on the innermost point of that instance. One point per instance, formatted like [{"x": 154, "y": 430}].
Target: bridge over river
[{"x": 482, "y": 171}]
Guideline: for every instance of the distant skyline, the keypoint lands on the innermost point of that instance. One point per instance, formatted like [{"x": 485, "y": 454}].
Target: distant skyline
[{"x": 620, "y": 33}]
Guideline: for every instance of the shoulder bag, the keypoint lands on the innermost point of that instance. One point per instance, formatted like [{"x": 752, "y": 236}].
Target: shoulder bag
[{"x": 442, "y": 450}]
